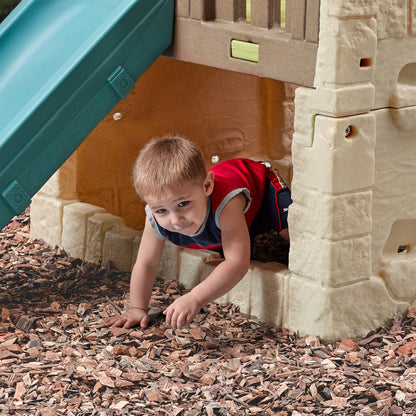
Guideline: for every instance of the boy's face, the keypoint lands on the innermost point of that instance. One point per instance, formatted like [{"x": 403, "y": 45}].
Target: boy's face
[{"x": 182, "y": 209}]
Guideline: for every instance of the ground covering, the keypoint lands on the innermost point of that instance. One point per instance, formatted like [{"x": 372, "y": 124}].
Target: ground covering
[{"x": 57, "y": 357}]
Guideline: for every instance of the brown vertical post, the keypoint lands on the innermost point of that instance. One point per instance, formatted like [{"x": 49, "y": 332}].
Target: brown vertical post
[
  {"x": 224, "y": 10},
  {"x": 295, "y": 18},
  {"x": 277, "y": 12},
  {"x": 202, "y": 9},
  {"x": 262, "y": 13},
  {"x": 312, "y": 21},
  {"x": 230, "y": 10},
  {"x": 240, "y": 10}
]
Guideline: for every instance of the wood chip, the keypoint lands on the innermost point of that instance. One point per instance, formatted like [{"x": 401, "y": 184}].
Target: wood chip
[
  {"x": 57, "y": 355},
  {"x": 25, "y": 323}
]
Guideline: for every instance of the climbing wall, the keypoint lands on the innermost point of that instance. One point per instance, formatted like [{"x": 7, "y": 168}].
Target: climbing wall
[
  {"x": 352, "y": 221},
  {"x": 394, "y": 198}
]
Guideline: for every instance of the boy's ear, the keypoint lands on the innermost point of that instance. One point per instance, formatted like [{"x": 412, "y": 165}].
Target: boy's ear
[{"x": 209, "y": 183}]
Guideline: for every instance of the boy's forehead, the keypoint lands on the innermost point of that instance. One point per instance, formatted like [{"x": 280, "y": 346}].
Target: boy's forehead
[
  {"x": 160, "y": 200},
  {"x": 173, "y": 194}
]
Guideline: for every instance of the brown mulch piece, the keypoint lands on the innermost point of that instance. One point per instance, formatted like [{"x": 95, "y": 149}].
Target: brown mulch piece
[{"x": 57, "y": 357}]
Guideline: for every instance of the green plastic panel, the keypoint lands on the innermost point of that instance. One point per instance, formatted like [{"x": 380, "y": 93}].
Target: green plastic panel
[
  {"x": 248, "y": 51},
  {"x": 64, "y": 64}
]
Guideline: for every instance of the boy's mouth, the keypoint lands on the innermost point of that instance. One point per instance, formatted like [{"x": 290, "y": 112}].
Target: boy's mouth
[
  {"x": 186, "y": 229},
  {"x": 182, "y": 227}
]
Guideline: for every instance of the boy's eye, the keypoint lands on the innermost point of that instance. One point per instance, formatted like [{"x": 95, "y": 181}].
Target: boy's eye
[
  {"x": 160, "y": 211},
  {"x": 183, "y": 204}
]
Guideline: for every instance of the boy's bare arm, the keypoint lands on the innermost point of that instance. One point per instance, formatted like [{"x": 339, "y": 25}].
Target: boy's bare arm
[
  {"x": 236, "y": 246},
  {"x": 142, "y": 280}
]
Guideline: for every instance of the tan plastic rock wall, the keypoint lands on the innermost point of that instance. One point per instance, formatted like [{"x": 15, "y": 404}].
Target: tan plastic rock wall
[{"x": 353, "y": 220}]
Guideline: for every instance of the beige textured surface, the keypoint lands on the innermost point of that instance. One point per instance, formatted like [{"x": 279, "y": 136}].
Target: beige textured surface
[
  {"x": 268, "y": 291},
  {"x": 394, "y": 87},
  {"x": 335, "y": 163},
  {"x": 345, "y": 100},
  {"x": 74, "y": 227},
  {"x": 191, "y": 265},
  {"x": 241, "y": 293},
  {"x": 348, "y": 193},
  {"x": 169, "y": 264},
  {"x": 346, "y": 42},
  {"x": 392, "y": 19},
  {"x": 335, "y": 313},
  {"x": 46, "y": 214},
  {"x": 394, "y": 206},
  {"x": 334, "y": 216},
  {"x": 119, "y": 247},
  {"x": 333, "y": 263},
  {"x": 350, "y": 8},
  {"x": 97, "y": 227}
]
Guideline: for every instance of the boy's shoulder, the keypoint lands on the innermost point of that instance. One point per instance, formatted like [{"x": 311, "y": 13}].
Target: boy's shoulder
[
  {"x": 238, "y": 169},
  {"x": 237, "y": 161},
  {"x": 239, "y": 165},
  {"x": 237, "y": 175}
]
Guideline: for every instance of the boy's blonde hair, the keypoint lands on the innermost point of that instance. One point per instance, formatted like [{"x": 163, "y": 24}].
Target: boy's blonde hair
[{"x": 167, "y": 162}]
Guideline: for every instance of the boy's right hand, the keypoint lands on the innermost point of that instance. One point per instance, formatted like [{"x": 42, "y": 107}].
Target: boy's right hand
[{"x": 133, "y": 317}]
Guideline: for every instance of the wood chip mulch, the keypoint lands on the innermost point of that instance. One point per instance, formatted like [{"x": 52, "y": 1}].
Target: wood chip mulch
[{"x": 57, "y": 357}]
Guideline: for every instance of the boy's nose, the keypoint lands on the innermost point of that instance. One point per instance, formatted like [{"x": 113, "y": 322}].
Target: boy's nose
[{"x": 176, "y": 219}]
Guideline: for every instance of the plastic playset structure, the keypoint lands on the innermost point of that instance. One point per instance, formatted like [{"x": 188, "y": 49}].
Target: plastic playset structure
[{"x": 352, "y": 262}]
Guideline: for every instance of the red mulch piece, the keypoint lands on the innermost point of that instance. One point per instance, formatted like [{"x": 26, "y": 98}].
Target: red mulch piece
[{"x": 57, "y": 357}]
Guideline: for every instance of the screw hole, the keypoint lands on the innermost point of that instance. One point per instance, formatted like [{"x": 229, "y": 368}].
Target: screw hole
[
  {"x": 365, "y": 62},
  {"x": 350, "y": 131},
  {"x": 404, "y": 248}
]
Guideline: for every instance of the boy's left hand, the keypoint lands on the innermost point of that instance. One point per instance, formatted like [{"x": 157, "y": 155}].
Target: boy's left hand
[{"x": 181, "y": 312}]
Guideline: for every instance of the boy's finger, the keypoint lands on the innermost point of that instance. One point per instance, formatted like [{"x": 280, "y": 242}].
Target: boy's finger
[
  {"x": 118, "y": 322},
  {"x": 174, "y": 320},
  {"x": 110, "y": 322},
  {"x": 188, "y": 320},
  {"x": 111, "y": 318},
  {"x": 126, "y": 324},
  {"x": 182, "y": 319},
  {"x": 144, "y": 321},
  {"x": 168, "y": 316}
]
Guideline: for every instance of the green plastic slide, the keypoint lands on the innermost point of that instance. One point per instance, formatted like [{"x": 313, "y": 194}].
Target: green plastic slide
[{"x": 64, "y": 64}]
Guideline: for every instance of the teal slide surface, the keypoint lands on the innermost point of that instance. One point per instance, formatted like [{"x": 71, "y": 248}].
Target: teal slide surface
[{"x": 64, "y": 64}]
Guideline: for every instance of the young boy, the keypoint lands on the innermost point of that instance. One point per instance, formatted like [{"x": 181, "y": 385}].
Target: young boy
[{"x": 222, "y": 208}]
